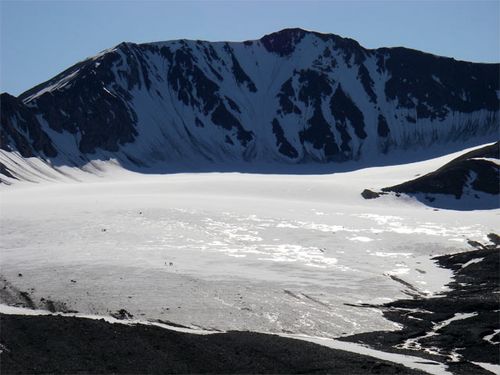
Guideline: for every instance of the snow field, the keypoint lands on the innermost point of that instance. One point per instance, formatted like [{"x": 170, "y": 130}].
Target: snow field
[{"x": 270, "y": 253}]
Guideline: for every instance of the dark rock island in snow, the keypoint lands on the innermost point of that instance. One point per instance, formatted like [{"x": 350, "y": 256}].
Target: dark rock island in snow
[{"x": 470, "y": 181}]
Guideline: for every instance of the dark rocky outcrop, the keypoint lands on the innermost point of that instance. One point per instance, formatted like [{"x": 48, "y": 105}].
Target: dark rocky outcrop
[
  {"x": 343, "y": 109},
  {"x": 239, "y": 73},
  {"x": 433, "y": 85},
  {"x": 382, "y": 127},
  {"x": 284, "y": 146},
  {"x": 21, "y": 130},
  {"x": 283, "y": 42},
  {"x": 287, "y": 97},
  {"x": 471, "y": 169},
  {"x": 319, "y": 134},
  {"x": 370, "y": 194},
  {"x": 367, "y": 82},
  {"x": 222, "y": 117}
]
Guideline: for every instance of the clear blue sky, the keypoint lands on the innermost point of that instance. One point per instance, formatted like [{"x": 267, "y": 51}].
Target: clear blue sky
[{"x": 38, "y": 39}]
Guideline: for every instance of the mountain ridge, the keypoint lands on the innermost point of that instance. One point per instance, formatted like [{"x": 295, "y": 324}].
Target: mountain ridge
[
  {"x": 298, "y": 29},
  {"x": 292, "y": 97}
]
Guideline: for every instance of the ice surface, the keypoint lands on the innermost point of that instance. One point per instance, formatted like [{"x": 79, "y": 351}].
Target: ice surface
[{"x": 271, "y": 253}]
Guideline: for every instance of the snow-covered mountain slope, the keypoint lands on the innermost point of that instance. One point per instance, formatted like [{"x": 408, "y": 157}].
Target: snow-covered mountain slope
[{"x": 292, "y": 97}]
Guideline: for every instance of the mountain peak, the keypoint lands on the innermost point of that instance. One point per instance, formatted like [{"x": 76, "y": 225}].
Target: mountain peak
[{"x": 283, "y": 42}]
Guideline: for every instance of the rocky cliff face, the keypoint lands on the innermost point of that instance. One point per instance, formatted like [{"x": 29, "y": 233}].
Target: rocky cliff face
[{"x": 291, "y": 97}]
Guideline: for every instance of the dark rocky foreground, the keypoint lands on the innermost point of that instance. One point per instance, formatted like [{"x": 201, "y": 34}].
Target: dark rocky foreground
[
  {"x": 62, "y": 345},
  {"x": 475, "y": 291}
]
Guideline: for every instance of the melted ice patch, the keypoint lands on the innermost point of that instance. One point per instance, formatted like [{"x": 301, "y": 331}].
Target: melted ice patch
[
  {"x": 401, "y": 225},
  {"x": 472, "y": 261},
  {"x": 414, "y": 344},
  {"x": 296, "y": 253},
  {"x": 391, "y": 255},
  {"x": 361, "y": 239},
  {"x": 398, "y": 271},
  {"x": 489, "y": 338},
  {"x": 428, "y": 366}
]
